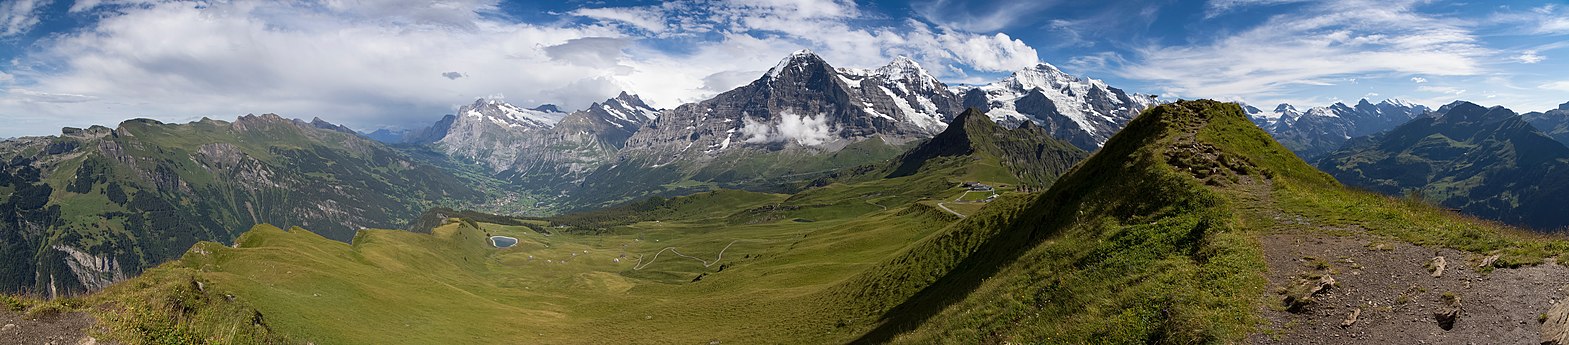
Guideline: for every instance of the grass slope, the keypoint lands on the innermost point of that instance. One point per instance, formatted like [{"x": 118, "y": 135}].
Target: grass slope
[{"x": 1151, "y": 240}]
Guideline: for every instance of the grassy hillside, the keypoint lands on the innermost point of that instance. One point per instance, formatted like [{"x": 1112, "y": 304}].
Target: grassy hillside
[
  {"x": 1157, "y": 238},
  {"x": 1025, "y": 155},
  {"x": 1154, "y": 239},
  {"x": 98, "y": 205}
]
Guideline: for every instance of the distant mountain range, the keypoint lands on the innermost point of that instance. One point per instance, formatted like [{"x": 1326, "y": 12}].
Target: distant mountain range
[
  {"x": 1555, "y": 123},
  {"x": 1487, "y": 162},
  {"x": 802, "y": 117},
  {"x": 1319, "y": 130}
]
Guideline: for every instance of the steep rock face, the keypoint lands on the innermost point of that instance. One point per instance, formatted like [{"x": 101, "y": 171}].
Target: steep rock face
[
  {"x": 1486, "y": 162},
  {"x": 541, "y": 148},
  {"x": 92, "y": 206},
  {"x": 802, "y": 117},
  {"x": 1319, "y": 130},
  {"x": 580, "y": 142},
  {"x": 803, "y": 103},
  {"x": 1082, "y": 111},
  {"x": 494, "y": 133},
  {"x": 1555, "y": 123}
]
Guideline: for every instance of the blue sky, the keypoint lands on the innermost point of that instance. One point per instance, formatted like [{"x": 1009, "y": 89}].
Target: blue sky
[{"x": 403, "y": 63}]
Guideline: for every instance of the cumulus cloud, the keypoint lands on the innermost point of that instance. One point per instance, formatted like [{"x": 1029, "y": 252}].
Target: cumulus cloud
[
  {"x": 642, "y": 18},
  {"x": 1529, "y": 56},
  {"x": 1418, "y": 80},
  {"x": 800, "y": 129},
  {"x": 804, "y": 130},
  {"x": 379, "y": 64},
  {"x": 19, "y": 16},
  {"x": 1320, "y": 44}
]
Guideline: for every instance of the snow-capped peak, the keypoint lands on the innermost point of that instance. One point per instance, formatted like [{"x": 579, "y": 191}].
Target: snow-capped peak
[
  {"x": 1042, "y": 76},
  {"x": 793, "y": 60},
  {"x": 507, "y": 115},
  {"x": 1399, "y": 103},
  {"x": 628, "y": 110},
  {"x": 901, "y": 68},
  {"x": 1096, "y": 108}
]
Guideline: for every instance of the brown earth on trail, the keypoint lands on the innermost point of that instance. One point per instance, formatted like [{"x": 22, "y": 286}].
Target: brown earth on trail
[
  {"x": 59, "y": 329},
  {"x": 1401, "y": 302}
]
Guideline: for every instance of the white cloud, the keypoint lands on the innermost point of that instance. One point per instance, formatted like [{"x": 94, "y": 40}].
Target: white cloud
[
  {"x": 1529, "y": 56},
  {"x": 997, "y": 52},
  {"x": 1441, "y": 89},
  {"x": 237, "y": 58},
  {"x": 403, "y": 63},
  {"x": 47, "y": 97},
  {"x": 976, "y": 16},
  {"x": 1215, "y": 8},
  {"x": 647, "y": 19},
  {"x": 804, "y": 130},
  {"x": 801, "y": 129},
  {"x": 19, "y": 16},
  {"x": 755, "y": 132},
  {"x": 1322, "y": 42},
  {"x": 1418, "y": 80},
  {"x": 1557, "y": 85}
]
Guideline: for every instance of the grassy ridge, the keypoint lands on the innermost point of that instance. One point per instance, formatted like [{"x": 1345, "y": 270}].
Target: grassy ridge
[{"x": 1166, "y": 253}]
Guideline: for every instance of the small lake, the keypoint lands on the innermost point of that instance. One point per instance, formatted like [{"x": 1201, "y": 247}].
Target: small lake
[{"x": 503, "y": 241}]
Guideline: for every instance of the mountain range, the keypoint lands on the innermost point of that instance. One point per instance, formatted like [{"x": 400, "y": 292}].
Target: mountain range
[
  {"x": 1190, "y": 225},
  {"x": 1555, "y": 123},
  {"x": 1319, "y": 130},
  {"x": 1487, "y": 162},
  {"x": 802, "y": 118}
]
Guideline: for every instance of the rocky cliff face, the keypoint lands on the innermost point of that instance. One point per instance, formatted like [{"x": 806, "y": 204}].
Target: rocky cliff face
[
  {"x": 1082, "y": 111},
  {"x": 803, "y": 104},
  {"x": 539, "y": 147},
  {"x": 1319, "y": 130},
  {"x": 580, "y": 142},
  {"x": 493, "y": 133}
]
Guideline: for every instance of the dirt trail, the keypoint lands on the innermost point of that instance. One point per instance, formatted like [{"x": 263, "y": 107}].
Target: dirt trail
[
  {"x": 62, "y": 329},
  {"x": 1390, "y": 285},
  {"x": 1398, "y": 295}
]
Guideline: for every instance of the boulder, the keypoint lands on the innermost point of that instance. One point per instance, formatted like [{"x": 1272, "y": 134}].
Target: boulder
[
  {"x": 1351, "y": 319},
  {"x": 1436, "y": 266},
  {"x": 1555, "y": 329},
  {"x": 1302, "y": 295}
]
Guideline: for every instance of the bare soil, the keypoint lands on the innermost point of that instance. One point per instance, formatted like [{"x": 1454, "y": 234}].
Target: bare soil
[
  {"x": 60, "y": 329},
  {"x": 1390, "y": 281}
]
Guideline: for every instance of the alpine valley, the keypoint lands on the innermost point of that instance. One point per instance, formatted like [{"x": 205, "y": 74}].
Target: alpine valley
[{"x": 813, "y": 204}]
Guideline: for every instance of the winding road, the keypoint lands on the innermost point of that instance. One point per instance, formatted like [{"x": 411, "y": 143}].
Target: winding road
[{"x": 640, "y": 265}]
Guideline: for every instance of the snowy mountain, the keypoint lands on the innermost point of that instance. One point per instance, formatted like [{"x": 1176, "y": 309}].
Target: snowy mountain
[
  {"x": 493, "y": 132},
  {"x": 1082, "y": 111},
  {"x": 1320, "y": 130},
  {"x": 803, "y": 103}
]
